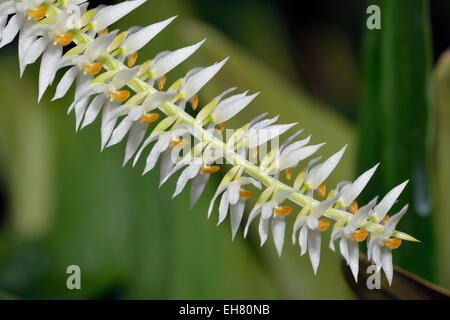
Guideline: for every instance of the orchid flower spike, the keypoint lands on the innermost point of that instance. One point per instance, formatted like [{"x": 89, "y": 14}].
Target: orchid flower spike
[{"x": 103, "y": 67}]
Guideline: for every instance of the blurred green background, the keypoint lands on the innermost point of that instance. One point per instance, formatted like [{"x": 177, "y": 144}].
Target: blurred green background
[{"x": 62, "y": 202}]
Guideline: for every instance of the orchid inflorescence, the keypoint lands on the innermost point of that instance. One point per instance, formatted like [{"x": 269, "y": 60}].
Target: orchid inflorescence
[{"x": 103, "y": 67}]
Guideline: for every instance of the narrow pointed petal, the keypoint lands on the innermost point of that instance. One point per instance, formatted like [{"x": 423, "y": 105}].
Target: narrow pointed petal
[
  {"x": 135, "y": 137},
  {"x": 291, "y": 138},
  {"x": 386, "y": 262},
  {"x": 223, "y": 207},
  {"x": 66, "y": 82},
  {"x": 294, "y": 146},
  {"x": 393, "y": 221},
  {"x": 166, "y": 164},
  {"x": 120, "y": 132},
  {"x": 111, "y": 14},
  {"x": 189, "y": 173},
  {"x": 320, "y": 173},
  {"x": 139, "y": 39},
  {"x": 303, "y": 239},
  {"x": 343, "y": 247},
  {"x": 169, "y": 61},
  {"x": 236, "y": 214},
  {"x": 353, "y": 258},
  {"x": 11, "y": 29},
  {"x": 107, "y": 126},
  {"x": 219, "y": 190},
  {"x": 93, "y": 110},
  {"x": 195, "y": 82},
  {"x": 388, "y": 201},
  {"x": 160, "y": 146},
  {"x": 48, "y": 67},
  {"x": 233, "y": 193},
  {"x": 99, "y": 46},
  {"x": 231, "y": 109},
  {"x": 314, "y": 239},
  {"x": 35, "y": 51},
  {"x": 80, "y": 108},
  {"x": 278, "y": 230},
  {"x": 198, "y": 186},
  {"x": 351, "y": 192},
  {"x": 260, "y": 136},
  {"x": 263, "y": 230},
  {"x": 293, "y": 158},
  {"x": 252, "y": 215},
  {"x": 123, "y": 76},
  {"x": 156, "y": 99}
]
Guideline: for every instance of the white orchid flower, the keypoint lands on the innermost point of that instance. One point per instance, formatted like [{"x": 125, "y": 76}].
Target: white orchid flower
[
  {"x": 349, "y": 192},
  {"x": 350, "y": 237},
  {"x": 233, "y": 197},
  {"x": 107, "y": 15},
  {"x": 311, "y": 227},
  {"x": 381, "y": 209},
  {"x": 380, "y": 246},
  {"x": 271, "y": 211},
  {"x": 229, "y": 107}
]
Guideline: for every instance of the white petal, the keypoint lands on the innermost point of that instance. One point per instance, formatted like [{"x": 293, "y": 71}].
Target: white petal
[
  {"x": 278, "y": 230},
  {"x": 195, "y": 82},
  {"x": 197, "y": 188},
  {"x": 320, "y": 209},
  {"x": 303, "y": 239},
  {"x": 353, "y": 258},
  {"x": 260, "y": 136},
  {"x": 223, "y": 206},
  {"x": 139, "y": 39},
  {"x": 390, "y": 225},
  {"x": 166, "y": 164},
  {"x": 256, "y": 124},
  {"x": 388, "y": 201},
  {"x": 294, "y": 146},
  {"x": 386, "y": 262},
  {"x": 147, "y": 141},
  {"x": 255, "y": 211},
  {"x": 189, "y": 173},
  {"x": 291, "y": 159},
  {"x": 236, "y": 213},
  {"x": 156, "y": 99},
  {"x": 229, "y": 110},
  {"x": 49, "y": 64},
  {"x": 111, "y": 14},
  {"x": 263, "y": 230},
  {"x": 291, "y": 138},
  {"x": 123, "y": 76},
  {"x": 11, "y": 29},
  {"x": 361, "y": 215},
  {"x": 169, "y": 61},
  {"x": 98, "y": 46},
  {"x": 314, "y": 239},
  {"x": 137, "y": 133},
  {"x": 161, "y": 145},
  {"x": 267, "y": 211},
  {"x": 120, "y": 132},
  {"x": 336, "y": 234},
  {"x": 35, "y": 51},
  {"x": 357, "y": 186},
  {"x": 219, "y": 190},
  {"x": 320, "y": 173},
  {"x": 107, "y": 126},
  {"x": 66, "y": 82},
  {"x": 233, "y": 193},
  {"x": 93, "y": 110},
  {"x": 80, "y": 108},
  {"x": 343, "y": 247}
]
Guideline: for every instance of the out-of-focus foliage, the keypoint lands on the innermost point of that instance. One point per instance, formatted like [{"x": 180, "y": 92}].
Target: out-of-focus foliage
[
  {"x": 71, "y": 204},
  {"x": 441, "y": 164},
  {"x": 395, "y": 116}
]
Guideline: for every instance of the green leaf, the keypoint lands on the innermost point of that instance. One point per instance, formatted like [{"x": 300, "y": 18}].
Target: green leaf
[{"x": 394, "y": 121}]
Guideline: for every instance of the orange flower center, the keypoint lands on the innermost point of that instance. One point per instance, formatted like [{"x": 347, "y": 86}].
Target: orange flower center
[
  {"x": 323, "y": 225},
  {"x": 120, "y": 96},
  {"x": 360, "y": 235},
  {"x": 132, "y": 59},
  {"x": 194, "y": 102},
  {"x": 102, "y": 32},
  {"x": 385, "y": 220},
  {"x": 245, "y": 194},
  {"x": 92, "y": 68},
  {"x": 149, "y": 118},
  {"x": 180, "y": 143},
  {"x": 222, "y": 127},
  {"x": 210, "y": 169},
  {"x": 64, "y": 39},
  {"x": 353, "y": 207},
  {"x": 283, "y": 211},
  {"x": 37, "y": 13},
  {"x": 288, "y": 173},
  {"x": 321, "y": 190},
  {"x": 162, "y": 83},
  {"x": 393, "y": 243}
]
